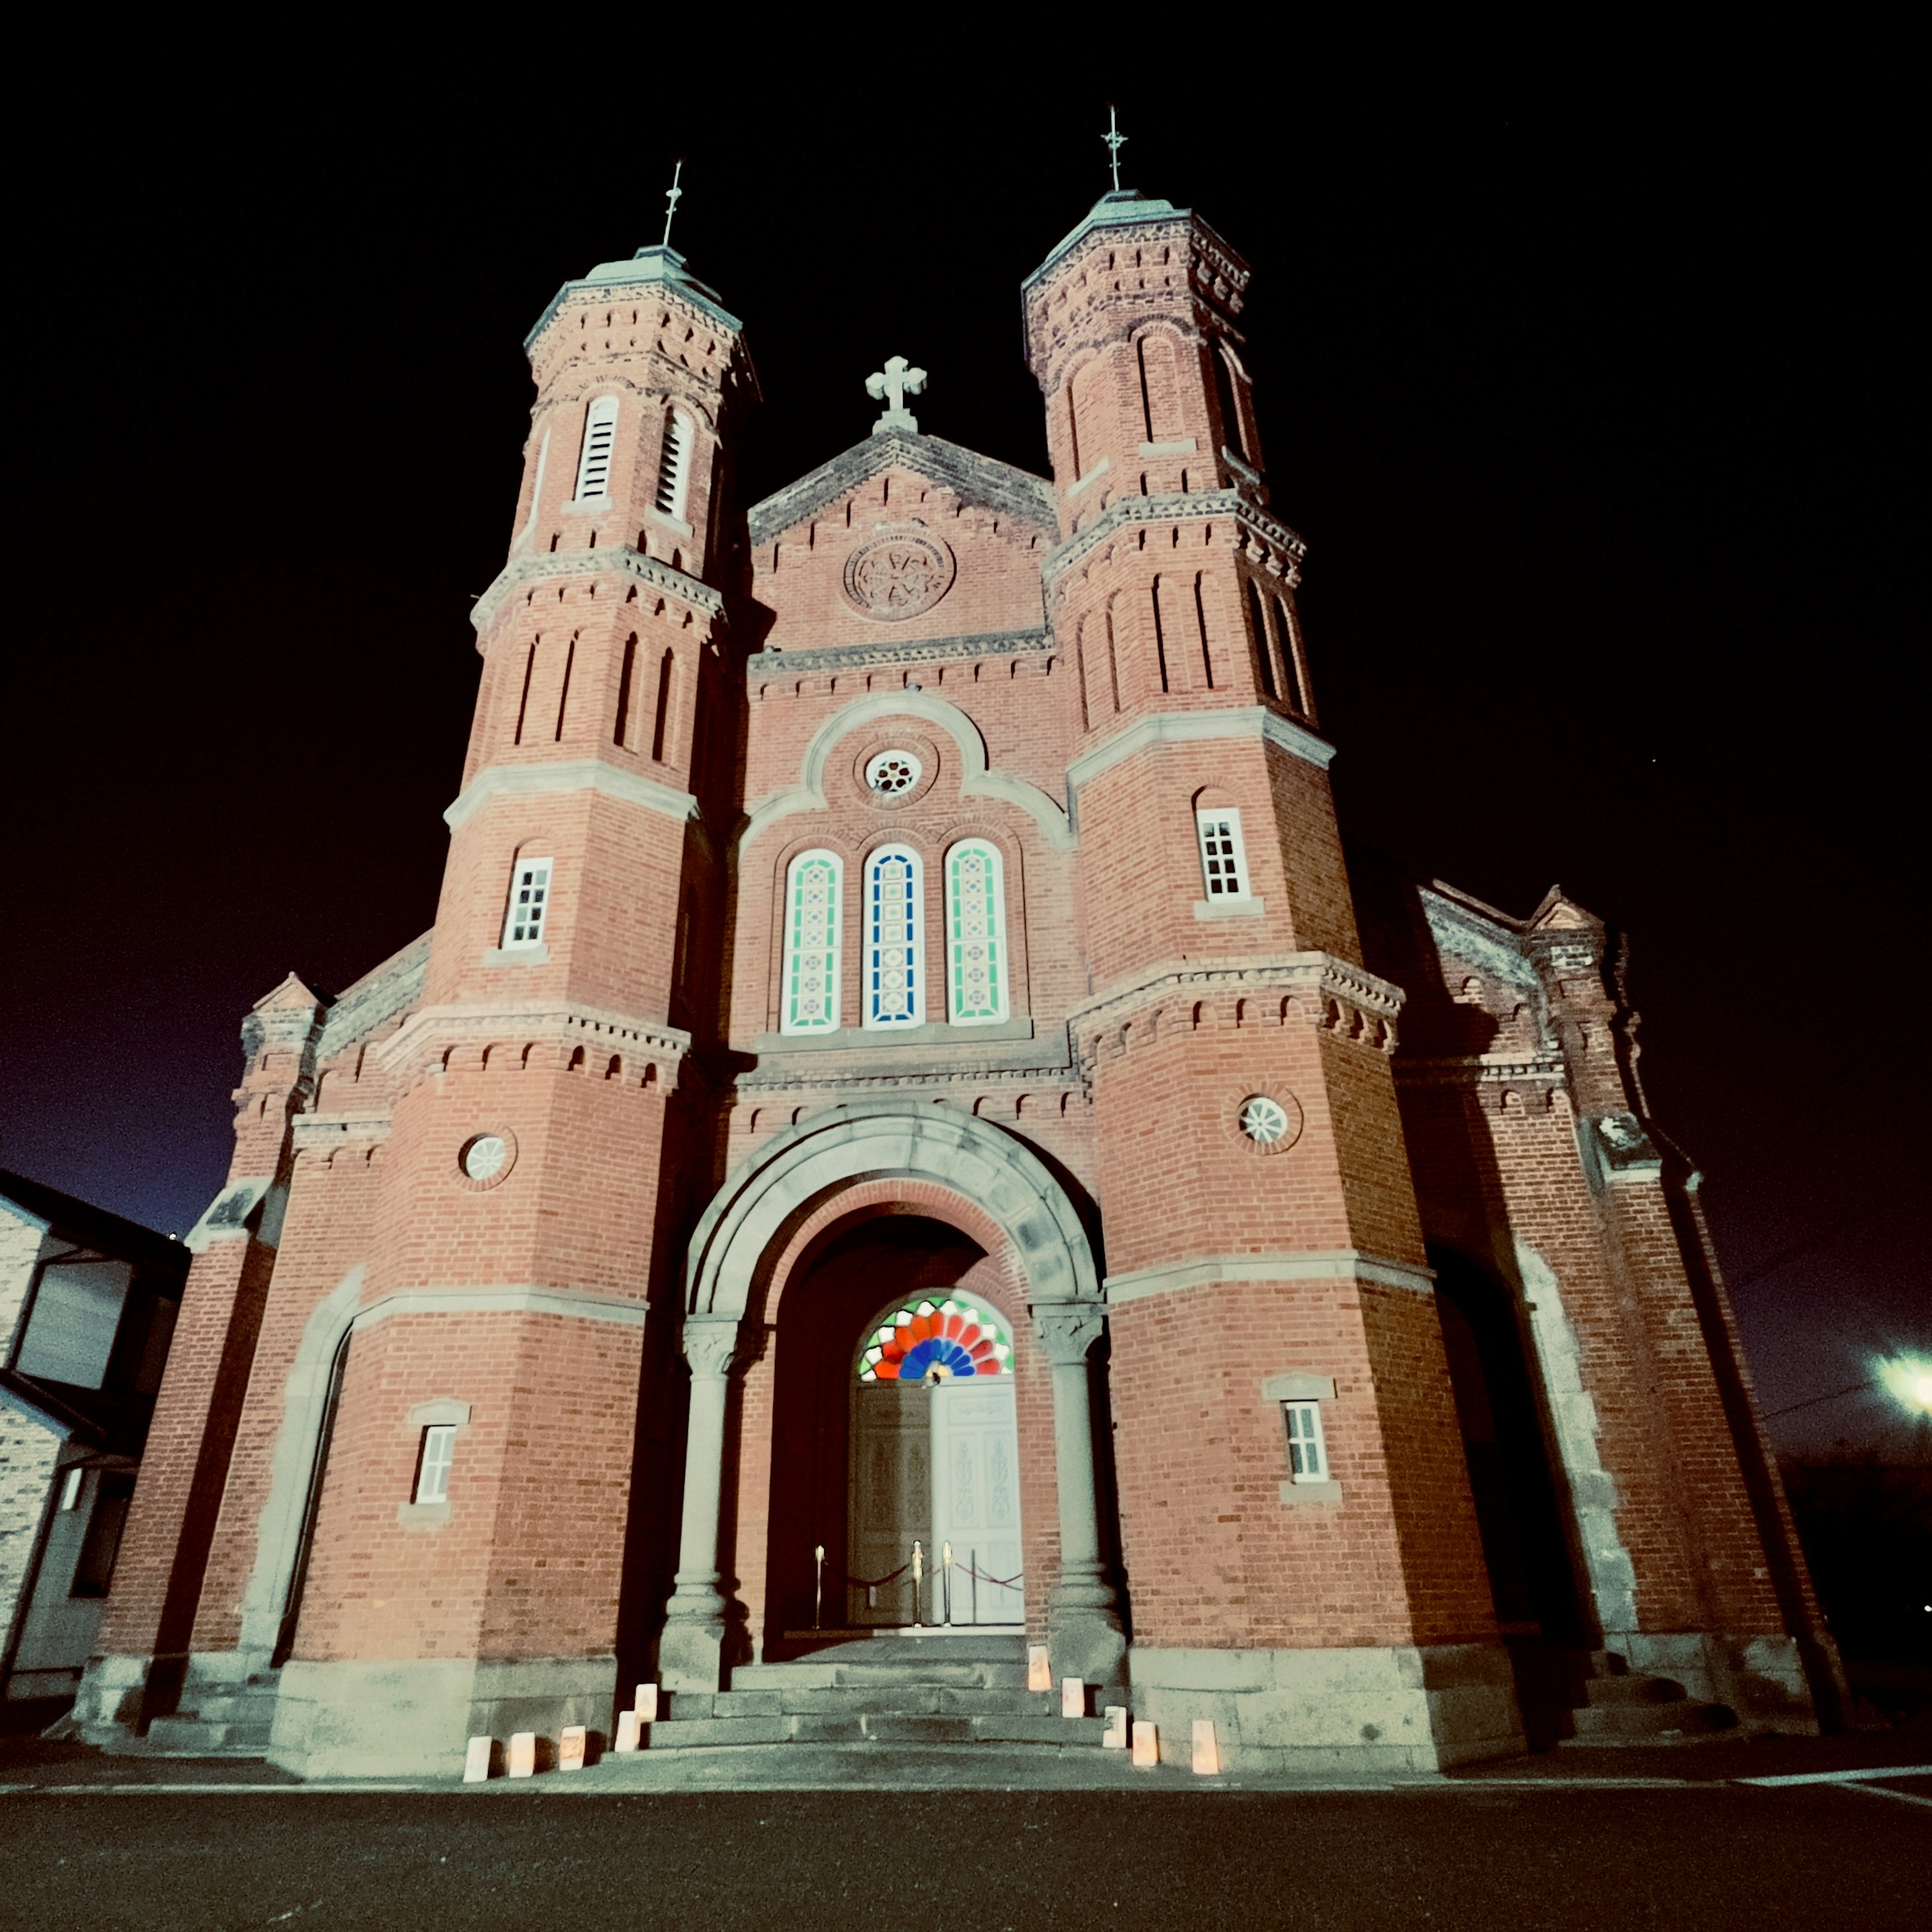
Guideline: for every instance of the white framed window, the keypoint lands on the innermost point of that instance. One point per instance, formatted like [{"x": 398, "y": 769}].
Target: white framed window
[
  {"x": 975, "y": 933},
  {"x": 1224, "y": 860},
  {"x": 1307, "y": 1447},
  {"x": 529, "y": 911},
  {"x": 438, "y": 1452},
  {"x": 674, "y": 465},
  {"x": 812, "y": 937},
  {"x": 600, "y": 438},
  {"x": 895, "y": 938}
]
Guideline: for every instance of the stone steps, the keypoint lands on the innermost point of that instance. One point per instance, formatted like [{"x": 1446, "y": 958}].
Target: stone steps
[
  {"x": 938, "y": 1690},
  {"x": 875, "y": 1727},
  {"x": 1621, "y": 1706}
]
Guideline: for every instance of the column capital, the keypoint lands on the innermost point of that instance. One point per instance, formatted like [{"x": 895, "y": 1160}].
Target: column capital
[
  {"x": 1067, "y": 1330},
  {"x": 710, "y": 1345}
]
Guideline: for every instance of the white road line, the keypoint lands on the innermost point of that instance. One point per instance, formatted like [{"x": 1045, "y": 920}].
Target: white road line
[
  {"x": 1841, "y": 1776},
  {"x": 1879, "y": 1791}
]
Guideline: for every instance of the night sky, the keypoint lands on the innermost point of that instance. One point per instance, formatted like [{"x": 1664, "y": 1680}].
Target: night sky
[{"x": 1595, "y": 417}]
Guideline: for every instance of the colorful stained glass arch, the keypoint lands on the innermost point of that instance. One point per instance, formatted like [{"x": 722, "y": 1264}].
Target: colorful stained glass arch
[{"x": 925, "y": 1340}]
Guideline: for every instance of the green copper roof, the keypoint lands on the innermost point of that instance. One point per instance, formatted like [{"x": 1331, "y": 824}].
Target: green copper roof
[
  {"x": 654, "y": 266},
  {"x": 1117, "y": 209}
]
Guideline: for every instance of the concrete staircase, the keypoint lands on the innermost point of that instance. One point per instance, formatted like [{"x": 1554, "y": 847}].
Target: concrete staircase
[
  {"x": 938, "y": 1690},
  {"x": 218, "y": 1720},
  {"x": 1621, "y": 1706}
]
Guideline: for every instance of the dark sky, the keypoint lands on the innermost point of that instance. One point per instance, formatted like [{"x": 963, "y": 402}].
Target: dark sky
[{"x": 1595, "y": 415}]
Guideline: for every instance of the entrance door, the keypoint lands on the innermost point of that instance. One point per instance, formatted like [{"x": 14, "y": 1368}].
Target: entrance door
[
  {"x": 892, "y": 1500},
  {"x": 976, "y": 1503}
]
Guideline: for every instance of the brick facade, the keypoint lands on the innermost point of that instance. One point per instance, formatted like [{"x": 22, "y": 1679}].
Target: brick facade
[{"x": 679, "y": 698}]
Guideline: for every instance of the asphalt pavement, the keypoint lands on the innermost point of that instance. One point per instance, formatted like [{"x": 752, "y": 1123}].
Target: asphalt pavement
[{"x": 959, "y": 1841}]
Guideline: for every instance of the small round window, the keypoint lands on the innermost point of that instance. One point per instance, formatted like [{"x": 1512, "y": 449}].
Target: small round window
[
  {"x": 484, "y": 1156},
  {"x": 892, "y": 773},
  {"x": 1263, "y": 1120}
]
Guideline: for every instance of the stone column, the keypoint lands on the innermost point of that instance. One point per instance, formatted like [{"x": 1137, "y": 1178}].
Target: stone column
[
  {"x": 691, "y": 1649},
  {"x": 1083, "y": 1629}
]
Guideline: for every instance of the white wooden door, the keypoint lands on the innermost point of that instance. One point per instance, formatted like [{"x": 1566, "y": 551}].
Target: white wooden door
[{"x": 976, "y": 1500}]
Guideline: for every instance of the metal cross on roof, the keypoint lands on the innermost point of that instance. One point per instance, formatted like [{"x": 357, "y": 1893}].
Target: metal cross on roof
[
  {"x": 673, "y": 195},
  {"x": 1115, "y": 141},
  {"x": 891, "y": 386}
]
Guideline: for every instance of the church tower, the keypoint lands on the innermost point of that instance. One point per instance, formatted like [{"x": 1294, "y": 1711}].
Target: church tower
[
  {"x": 430, "y": 1331},
  {"x": 1266, "y": 1274}
]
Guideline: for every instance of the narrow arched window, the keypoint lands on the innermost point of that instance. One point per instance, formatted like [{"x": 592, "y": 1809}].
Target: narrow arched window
[
  {"x": 621, "y": 733},
  {"x": 1263, "y": 656},
  {"x": 894, "y": 968},
  {"x": 600, "y": 437},
  {"x": 1233, "y": 438},
  {"x": 674, "y": 465},
  {"x": 667, "y": 679},
  {"x": 1291, "y": 657},
  {"x": 975, "y": 933},
  {"x": 813, "y": 886}
]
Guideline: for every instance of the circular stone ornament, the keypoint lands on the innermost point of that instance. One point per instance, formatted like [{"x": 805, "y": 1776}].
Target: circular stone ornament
[
  {"x": 485, "y": 1158},
  {"x": 1272, "y": 1126},
  {"x": 893, "y": 773},
  {"x": 897, "y": 574}
]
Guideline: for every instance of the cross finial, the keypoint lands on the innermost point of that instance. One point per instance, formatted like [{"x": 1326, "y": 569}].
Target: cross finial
[
  {"x": 1115, "y": 141},
  {"x": 673, "y": 195},
  {"x": 891, "y": 386}
]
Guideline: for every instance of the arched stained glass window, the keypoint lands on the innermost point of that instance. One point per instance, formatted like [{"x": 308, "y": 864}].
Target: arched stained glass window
[
  {"x": 895, "y": 966},
  {"x": 925, "y": 1340},
  {"x": 811, "y": 938},
  {"x": 975, "y": 933}
]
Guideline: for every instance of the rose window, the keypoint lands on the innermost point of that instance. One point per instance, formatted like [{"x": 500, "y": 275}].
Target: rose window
[
  {"x": 892, "y": 773},
  {"x": 1263, "y": 1120}
]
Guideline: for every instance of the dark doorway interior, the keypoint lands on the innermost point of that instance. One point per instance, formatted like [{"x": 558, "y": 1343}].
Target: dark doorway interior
[
  {"x": 1518, "y": 1510},
  {"x": 833, "y": 1295}
]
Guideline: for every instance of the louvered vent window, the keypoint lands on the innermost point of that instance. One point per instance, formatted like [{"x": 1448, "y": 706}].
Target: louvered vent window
[
  {"x": 1224, "y": 863},
  {"x": 600, "y": 437},
  {"x": 674, "y": 465},
  {"x": 530, "y": 903}
]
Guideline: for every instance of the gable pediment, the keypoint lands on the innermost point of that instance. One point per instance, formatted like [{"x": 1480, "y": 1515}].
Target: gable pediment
[{"x": 973, "y": 481}]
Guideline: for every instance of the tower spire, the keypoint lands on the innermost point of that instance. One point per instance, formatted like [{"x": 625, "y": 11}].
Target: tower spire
[
  {"x": 1115, "y": 141},
  {"x": 673, "y": 195}
]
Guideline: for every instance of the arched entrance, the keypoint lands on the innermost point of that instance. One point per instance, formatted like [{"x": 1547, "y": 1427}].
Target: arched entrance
[
  {"x": 935, "y": 1468},
  {"x": 741, "y": 1242}
]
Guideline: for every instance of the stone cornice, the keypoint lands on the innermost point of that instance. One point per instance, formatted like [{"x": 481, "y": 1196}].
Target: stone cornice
[
  {"x": 1481, "y": 1070},
  {"x": 979, "y": 480},
  {"x": 1313, "y": 981},
  {"x": 614, "y": 559},
  {"x": 421, "y": 1044},
  {"x": 1208, "y": 1271},
  {"x": 569, "y": 774},
  {"x": 320, "y": 1132},
  {"x": 763, "y": 666},
  {"x": 1196, "y": 506},
  {"x": 1194, "y": 727}
]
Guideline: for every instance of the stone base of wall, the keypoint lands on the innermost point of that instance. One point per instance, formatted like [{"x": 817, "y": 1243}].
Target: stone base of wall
[
  {"x": 413, "y": 1719},
  {"x": 1762, "y": 1678},
  {"x": 108, "y": 1708},
  {"x": 1327, "y": 1711}
]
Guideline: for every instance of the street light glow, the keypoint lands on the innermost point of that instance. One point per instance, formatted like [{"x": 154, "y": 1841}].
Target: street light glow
[{"x": 1910, "y": 1380}]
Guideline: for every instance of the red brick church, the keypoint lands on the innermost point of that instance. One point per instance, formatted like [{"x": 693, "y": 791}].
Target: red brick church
[{"x": 912, "y": 1120}]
